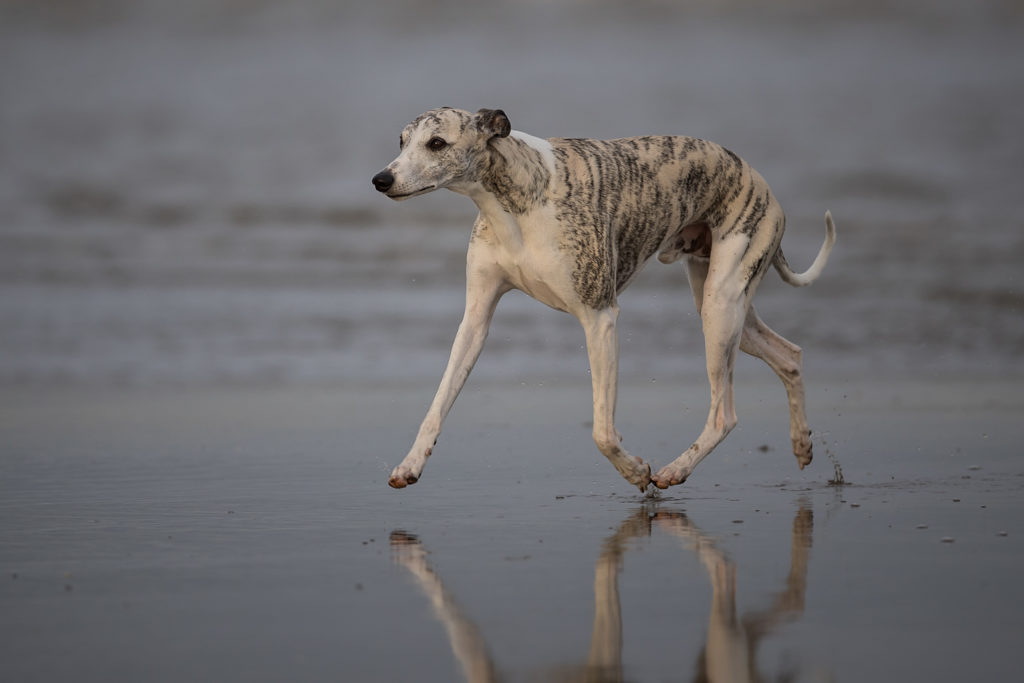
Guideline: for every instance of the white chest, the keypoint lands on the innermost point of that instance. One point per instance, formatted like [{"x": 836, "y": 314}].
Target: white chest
[{"x": 529, "y": 252}]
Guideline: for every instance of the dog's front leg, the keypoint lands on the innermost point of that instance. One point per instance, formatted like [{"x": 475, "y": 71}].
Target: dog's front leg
[
  {"x": 603, "y": 352},
  {"x": 484, "y": 288}
]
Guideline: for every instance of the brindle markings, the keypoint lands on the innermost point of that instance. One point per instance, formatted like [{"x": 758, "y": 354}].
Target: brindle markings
[
  {"x": 760, "y": 265},
  {"x": 433, "y": 118},
  {"x": 580, "y": 210},
  {"x": 516, "y": 175},
  {"x": 481, "y": 231},
  {"x": 754, "y": 215},
  {"x": 619, "y": 207},
  {"x": 731, "y": 177},
  {"x": 693, "y": 240}
]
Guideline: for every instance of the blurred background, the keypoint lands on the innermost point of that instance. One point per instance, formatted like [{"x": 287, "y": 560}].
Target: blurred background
[{"x": 185, "y": 195}]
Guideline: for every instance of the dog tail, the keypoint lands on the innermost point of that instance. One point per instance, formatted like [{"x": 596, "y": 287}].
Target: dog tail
[{"x": 811, "y": 274}]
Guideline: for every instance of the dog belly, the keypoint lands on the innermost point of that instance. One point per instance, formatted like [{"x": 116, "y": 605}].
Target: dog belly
[{"x": 692, "y": 240}]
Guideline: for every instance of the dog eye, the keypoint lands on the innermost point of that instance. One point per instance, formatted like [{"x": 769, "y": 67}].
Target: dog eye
[{"x": 436, "y": 144}]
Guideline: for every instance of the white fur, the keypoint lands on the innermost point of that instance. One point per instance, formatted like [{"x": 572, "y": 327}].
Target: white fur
[{"x": 539, "y": 144}]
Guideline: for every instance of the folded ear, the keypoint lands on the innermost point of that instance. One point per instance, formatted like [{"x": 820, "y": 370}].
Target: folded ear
[{"x": 493, "y": 122}]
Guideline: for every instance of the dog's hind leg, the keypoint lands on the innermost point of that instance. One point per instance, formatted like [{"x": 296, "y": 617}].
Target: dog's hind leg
[
  {"x": 722, "y": 289},
  {"x": 697, "y": 273},
  {"x": 782, "y": 356},
  {"x": 603, "y": 352}
]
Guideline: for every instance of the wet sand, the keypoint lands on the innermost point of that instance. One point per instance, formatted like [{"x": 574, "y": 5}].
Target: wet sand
[{"x": 249, "y": 535}]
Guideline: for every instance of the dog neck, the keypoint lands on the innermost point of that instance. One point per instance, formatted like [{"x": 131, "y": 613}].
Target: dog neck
[{"x": 516, "y": 175}]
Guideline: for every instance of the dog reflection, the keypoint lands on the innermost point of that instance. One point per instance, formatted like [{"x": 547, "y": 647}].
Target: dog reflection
[{"x": 729, "y": 653}]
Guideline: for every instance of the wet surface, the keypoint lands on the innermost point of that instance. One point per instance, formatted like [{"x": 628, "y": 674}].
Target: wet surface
[{"x": 251, "y": 536}]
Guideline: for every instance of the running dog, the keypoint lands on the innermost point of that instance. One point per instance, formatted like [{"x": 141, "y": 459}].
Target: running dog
[{"x": 571, "y": 222}]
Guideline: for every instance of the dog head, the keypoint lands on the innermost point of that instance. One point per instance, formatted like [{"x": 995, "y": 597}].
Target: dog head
[{"x": 442, "y": 148}]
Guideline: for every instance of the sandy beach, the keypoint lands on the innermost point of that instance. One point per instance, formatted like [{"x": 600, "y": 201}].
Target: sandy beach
[{"x": 216, "y": 340}]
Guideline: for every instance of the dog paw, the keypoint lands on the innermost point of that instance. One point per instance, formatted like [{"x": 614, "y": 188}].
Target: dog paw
[
  {"x": 803, "y": 449},
  {"x": 669, "y": 476},
  {"x": 643, "y": 478},
  {"x": 635, "y": 471},
  {"x": 401, "y": 478}
]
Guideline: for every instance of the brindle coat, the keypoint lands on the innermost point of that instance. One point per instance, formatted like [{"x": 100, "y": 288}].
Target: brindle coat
[{"x": 572, "y": 221}]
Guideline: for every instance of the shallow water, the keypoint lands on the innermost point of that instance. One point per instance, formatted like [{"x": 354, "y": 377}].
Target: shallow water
[{"x": 235, "y": 535}]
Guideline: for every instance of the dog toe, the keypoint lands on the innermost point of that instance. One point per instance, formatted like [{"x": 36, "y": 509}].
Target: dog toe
[
  {"x": 645, "y": 477},
  {"x": 399, "y": 480},
  {"x": 668, "y": 477}
]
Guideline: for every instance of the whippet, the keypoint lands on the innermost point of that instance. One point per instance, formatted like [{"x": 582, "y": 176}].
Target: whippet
[{"x": 571, "y": 221}]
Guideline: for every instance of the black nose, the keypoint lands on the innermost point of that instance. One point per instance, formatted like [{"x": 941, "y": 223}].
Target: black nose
[{"x": 383, "y": 181}]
